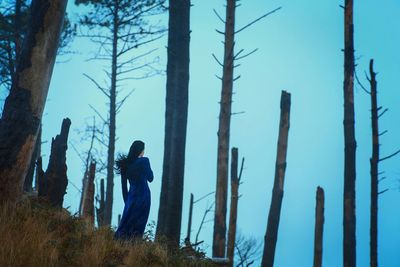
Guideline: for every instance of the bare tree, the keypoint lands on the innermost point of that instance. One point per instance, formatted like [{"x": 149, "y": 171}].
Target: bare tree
[
  {"x": 271, "y": 235},
  {"x": 122, "y": 26},
  {"x": 319, "y": 226},
  {"x": 176, "y": 110},
  {"x": 349, "y": 204},
  {"x": 248, "y": 250},
  {"x": 24, "y": 106},
  {"x": 228, "y": 65}
]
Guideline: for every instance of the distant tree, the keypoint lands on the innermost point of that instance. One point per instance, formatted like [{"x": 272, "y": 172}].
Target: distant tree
[
  {"x": 119, "y": 27},
  {"x": 271, "y": 235},
  {"x": 24, "y": 105},
  {"x": 349, "y": 204},
  {"x": 248, "y": 250},
  {"x": 176, "y": 110}
]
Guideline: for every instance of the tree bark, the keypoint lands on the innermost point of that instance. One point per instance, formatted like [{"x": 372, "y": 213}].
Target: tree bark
[
  {"x": 319, "y": 226},
  {"x": 24, "y": 106},
  {"x": 374, "y": 168},
  {"x": 170, "y": 209},
  {"x": 271, "y": 235},
  {"x": 234, "y": 206},
  {"x": 88, "y": 202},
  {"x": 112, "y": 124},
  {"x": 219, "y": 236},
  {"x": 56, "y": 173},
  {"x": 349, "y": 204}
]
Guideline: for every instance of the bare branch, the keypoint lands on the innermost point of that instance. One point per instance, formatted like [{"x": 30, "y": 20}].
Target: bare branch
[
  {"x": 102, "y": 89},
  {"x": 246, "y": 55},
  {"x": 391, "y": 155},
  {"x": 256, "y": 20},
  {"x": 383, "y": 112},
  {"x": 216, "y": 59},
  {"x": 383, "y": 191},
  {"x": 220, "y": 18}
]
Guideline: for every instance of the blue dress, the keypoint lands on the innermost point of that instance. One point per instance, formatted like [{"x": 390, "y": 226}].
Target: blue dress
[{"x": 137, "y": 203}]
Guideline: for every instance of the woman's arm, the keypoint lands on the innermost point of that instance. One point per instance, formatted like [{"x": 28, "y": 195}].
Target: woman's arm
[{"x": 148, "y": 173}]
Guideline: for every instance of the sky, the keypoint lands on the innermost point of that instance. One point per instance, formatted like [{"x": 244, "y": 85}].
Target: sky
[{"x": 300, "y": 51}]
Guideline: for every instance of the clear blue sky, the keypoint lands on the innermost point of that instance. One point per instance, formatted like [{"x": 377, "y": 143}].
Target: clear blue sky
[{"x": 299, "y": 51}]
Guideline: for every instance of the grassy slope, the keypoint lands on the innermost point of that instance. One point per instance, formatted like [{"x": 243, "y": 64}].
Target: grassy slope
[{"x": 34, "y": 235}]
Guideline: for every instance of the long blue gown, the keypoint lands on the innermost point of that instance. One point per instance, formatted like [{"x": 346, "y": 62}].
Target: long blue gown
[{"x": 137, "y": 205}]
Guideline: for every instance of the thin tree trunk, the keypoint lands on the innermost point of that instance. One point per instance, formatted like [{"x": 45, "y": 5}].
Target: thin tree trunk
[
  {"x": 234, "y": 206},
  {"x": 88, "y": 206},
  {"x": 56, "y": 173},
  {"x": 374, "y": 168},
  {"x": 349, "y": 204},
  {"x": 112, "y": 128},
  {"x": 319, "y": 227},
  {"x": 271, "y": 235},
  {"x": 189, "y": 229},
  {"x": 24, "y": 106},
  {"x": 219, "y": 236},
  {"x": 170, "y": 209}
]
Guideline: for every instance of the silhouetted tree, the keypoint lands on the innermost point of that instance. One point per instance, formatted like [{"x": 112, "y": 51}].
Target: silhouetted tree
[
  {"x": 119, "y": 27},
  {"x": 24, "y": 106},
  {"x": 176, "y": 110},
  {"x": 349, "y": 204},
  {"x": 271, "y": 235},
  {"x": 88, "y": 201}
]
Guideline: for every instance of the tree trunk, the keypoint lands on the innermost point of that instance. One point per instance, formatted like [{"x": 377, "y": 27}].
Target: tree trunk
[
  {"x": 189, "y": 229},
  {"x": 234, "y": 206},
  {"x": 271, "y": 235},
  {"x": 88, "y": 202},
  {"x": 319, "y": 227},
  {"x": 374, "y": 168},
  {"x": 112, "y": 128},
  {"x": 219, "y": 236},
  {"x": 56, "y": 173},
  {"x": 170, "y": 210},
  {"x": 349, "y": 204},
  {"x": 24, "y": 106},
  {"x": 100, "y": 209},
  {"x": 41, "y": 179}
]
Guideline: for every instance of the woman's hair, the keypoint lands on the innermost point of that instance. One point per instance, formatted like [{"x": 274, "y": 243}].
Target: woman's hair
[{"x": 122, "y": 161}]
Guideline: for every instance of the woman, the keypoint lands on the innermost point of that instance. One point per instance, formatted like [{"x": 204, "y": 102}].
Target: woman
[{"x": 136, "y": 169}]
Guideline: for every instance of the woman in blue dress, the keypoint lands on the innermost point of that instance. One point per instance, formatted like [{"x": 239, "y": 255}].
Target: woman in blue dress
[{"x": 136, "y": 169}]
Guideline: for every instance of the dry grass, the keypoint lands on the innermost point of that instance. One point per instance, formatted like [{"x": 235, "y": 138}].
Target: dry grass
[{"x": 34, "y": 235}]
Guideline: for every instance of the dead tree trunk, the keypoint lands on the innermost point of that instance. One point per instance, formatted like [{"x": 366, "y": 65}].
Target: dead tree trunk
[
  {"x": 170, "y": 210},
  {"x": 41, "y": 179},
  {"x": 189, "y": 229},
  {"x": 271, "y": 235},
  {"x": 349, "y": 204},
  {"x": 219, "y": 236},
  {"x": 112, "y": 123},
  {"x": 235, "y": 180},
  {"x": 56, "y": 173},
  {"x": 24, "y": 106},
  {"x": 374, "y": 168},
  {"x": 100, "y": 209},
  {"x": 88, "y": 202},
  {"x": 319, "y": 227}
]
